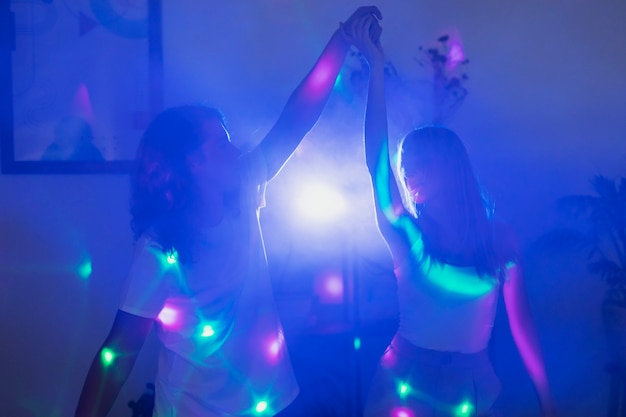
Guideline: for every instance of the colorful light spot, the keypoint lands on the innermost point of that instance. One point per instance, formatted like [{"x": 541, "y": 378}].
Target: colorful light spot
[
  {"x": 322, "y": 77},
  {"x": 261, "y": 406},
  {"x": 171, "y": 258},
  {"x": 403, "y": 389},
  {"x": 455, "y": 55},
  {"x": 338, "y": 82},
  {"x": 84, "y": 270},
  {"x": 107, "y": 356},
  {"x": 464, "y": 409},
  {"x": 402, "y": 412},
  {"x": 207, "y": 331},
  {"x": 275, "y": 347},
  {"x": 334, "y": 286},
  {"x": 389, "y": 358},
  {"x": 357, "y": 343},
  {"x": 321, "y": 203},
  {"x": 460, "y": 281},
  {"x": 329, "y": 287},
  {"x": 168, "y": 316}
]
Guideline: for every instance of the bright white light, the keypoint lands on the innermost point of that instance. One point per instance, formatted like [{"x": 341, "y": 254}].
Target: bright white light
[
  {"x": 320, "y": 203},
  {"x": 168, "y": 316}
]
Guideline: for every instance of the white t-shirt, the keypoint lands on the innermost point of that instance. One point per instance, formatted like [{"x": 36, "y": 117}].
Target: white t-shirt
[
  {"x": 223, "y": 350},
  {"x": 444, "y": 307}
]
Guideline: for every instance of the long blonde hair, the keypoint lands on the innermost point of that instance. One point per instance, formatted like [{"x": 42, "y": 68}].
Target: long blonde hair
[{"x": 438, "y": 148}]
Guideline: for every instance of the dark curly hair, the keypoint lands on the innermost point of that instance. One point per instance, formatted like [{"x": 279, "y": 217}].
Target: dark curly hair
[{"x": 165, "y": 199}]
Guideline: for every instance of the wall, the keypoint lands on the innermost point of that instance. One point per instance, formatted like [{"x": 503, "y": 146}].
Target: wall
[{"x": 54, "y": 319}]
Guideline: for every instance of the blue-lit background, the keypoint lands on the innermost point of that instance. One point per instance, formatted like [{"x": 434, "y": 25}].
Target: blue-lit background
[{"x": 545, "y": 112}]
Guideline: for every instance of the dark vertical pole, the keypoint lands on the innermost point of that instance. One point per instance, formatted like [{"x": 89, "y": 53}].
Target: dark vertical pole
[
  {"x": 155, "y": 56},
  {"x": 352, "y": 308},
  {"x": 7, "y": 46},
  {"x": 356, "y": 289},
  {"x": 348, "y": 297}
]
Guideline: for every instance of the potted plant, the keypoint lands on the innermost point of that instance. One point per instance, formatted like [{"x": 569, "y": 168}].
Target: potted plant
[{"x": 604, "y": 237}]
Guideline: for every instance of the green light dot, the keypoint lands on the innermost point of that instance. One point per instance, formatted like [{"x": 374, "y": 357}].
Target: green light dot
[
  {"x": 84, "y": 270},
  {"x": 107, "y": 356},
  {"x": 261, "y": 406},
  {"x": 403, "y": 389},
  {"x": 207, "y": 331},
  {"x": 357, "y": 343},
  {"x": 171, "y": 258},
  {"x": 337, "y": 82},
  {"x": 464, "y": 409}
]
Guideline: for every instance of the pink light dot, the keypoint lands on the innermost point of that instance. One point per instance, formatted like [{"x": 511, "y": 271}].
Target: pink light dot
[
  {"x": 275, "y": 347},
  {"x": 329, "y": 287},
  {"x": 389, "y": 358},
  {"x": 402, "y": 412},
  {"x": 334, "y": 286},
  {"x": 455, "y": 54},
  {"x": 320, "y": 77},
  {"x": 168, "y": 316}
]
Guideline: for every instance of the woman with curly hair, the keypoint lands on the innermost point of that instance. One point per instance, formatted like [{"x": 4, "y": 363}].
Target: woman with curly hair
[{"x": 199, "y": 273}]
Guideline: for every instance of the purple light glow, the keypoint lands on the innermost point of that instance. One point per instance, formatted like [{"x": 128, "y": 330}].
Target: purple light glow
[
  {"x": 319, "y": 79},
  {"x": 329, "y": 288},
  {"x": 402, "y": 412},
  {"x": 275, "y": 348},
  {"x": 334, "y": 286},
  {"x": 455, "y": 54},
  {"x": 389, "y": 358}
]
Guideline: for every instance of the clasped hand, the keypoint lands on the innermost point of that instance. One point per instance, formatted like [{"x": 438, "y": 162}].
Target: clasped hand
[{"x": 363, "y": 30}]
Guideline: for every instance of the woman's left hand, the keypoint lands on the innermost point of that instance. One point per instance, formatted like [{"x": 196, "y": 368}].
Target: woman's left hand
[{"x": 365, "y": 35}]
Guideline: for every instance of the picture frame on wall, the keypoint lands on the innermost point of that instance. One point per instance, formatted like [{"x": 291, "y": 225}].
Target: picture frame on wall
[{"x": 83, "y": 80}]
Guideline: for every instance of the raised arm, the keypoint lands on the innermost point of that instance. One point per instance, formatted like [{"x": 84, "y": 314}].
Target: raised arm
[
  {"x": 394, "y": 221},
  {"x": 112, "y": 364},
  {"x": 307, "y": 101},
  {"x": 525, "y": 337}
]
